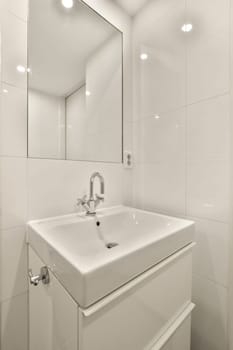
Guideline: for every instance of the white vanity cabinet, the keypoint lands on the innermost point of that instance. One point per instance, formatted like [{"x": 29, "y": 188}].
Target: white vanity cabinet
[
  {"x": 53, "y": 314},
  {"x": 151, "y": 312}
]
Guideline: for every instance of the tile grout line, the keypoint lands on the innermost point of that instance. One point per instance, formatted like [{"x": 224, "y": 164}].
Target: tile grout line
[
  {"x": 186, "y": 112},
  {"x": 183, "y": 106},
  {"x": 3, "y": 301},
  {"x": 195, "y": 274},
  {"x": 228, "y": 315}
]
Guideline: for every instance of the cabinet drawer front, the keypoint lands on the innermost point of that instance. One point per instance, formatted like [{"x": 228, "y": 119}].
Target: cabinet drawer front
[
  {"x": 132, "y": 321},
  {"x": 180, "y": 339},
  {"x": 178, "y": 335}
]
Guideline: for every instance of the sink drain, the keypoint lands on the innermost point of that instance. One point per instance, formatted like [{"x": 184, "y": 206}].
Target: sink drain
[{"x": 111, "y": 245}]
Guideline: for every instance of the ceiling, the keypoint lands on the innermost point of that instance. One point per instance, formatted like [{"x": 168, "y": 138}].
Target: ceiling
[
  {"x": 131, "y": 6},
  {"x": 60, "y": 43}
]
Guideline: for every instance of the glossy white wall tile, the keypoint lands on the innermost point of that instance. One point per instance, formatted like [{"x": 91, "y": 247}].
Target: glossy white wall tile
[
  {"x": 156, "y": 147},
  {"x": 138, "y": 185},
  {"x": 128, "y": 136},
  {"x": 137, "y": 140},
  {"x": 13, "y": 263},
  {"x": 13, "y": 121},
  {"x": 182, "y": 138},
  {"x": 208, "y": 159},
  {"x": 13, "y": 192},
  {"x": 14, "y": 323},
  {"x": 209, "y": 321},
  {"x": 161, "y": 73},
  {"x": 211, "y": 253},
  {"x": 14, "y": 50},
  {"x": 207, "y": 49},
  {"x": 208, "y": 132},
  {"x": 164, "y": 187},
  {"x": 208, "y": 190}
]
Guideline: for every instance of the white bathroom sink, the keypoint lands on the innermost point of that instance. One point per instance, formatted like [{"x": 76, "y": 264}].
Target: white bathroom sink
[{"x": 91, "y": 261}]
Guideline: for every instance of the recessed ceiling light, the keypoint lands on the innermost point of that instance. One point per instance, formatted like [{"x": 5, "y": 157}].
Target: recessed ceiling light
[
  {"x": 68, "y": 4},
  {"x": 188, "y": 27},
  {"x": 5, "y": 91},
  {"x": 144, "y": 56},
  {"x": 156, "y": 116},
  {"x": 21, "y": 69},
  {"x": 88, "y": 93}
]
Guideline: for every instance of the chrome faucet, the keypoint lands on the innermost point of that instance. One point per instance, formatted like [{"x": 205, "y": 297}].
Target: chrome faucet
[{"x": 94, "y": 200}]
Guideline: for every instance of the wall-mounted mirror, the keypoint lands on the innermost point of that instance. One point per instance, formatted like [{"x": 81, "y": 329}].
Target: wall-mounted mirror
[{"x": 74, "y": 83}]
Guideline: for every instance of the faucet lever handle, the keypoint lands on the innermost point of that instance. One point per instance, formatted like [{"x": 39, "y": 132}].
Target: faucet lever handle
[{"x": 82, "y": 200}]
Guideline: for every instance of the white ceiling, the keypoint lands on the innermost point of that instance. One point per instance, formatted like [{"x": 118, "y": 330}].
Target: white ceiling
[
  {"x": 60, "y": 42},
  {"x": 131, "y": 6}
]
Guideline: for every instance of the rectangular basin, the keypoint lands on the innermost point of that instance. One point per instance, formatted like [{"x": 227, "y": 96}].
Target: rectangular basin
[{"x": 93, "y": 256}]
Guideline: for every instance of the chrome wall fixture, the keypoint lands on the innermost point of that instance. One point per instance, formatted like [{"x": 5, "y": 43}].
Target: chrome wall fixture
[{"x": 43, "y": 276}]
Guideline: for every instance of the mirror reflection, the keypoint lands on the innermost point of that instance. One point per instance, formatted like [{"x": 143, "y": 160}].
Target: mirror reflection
[{"x": 74, "y": 83}]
